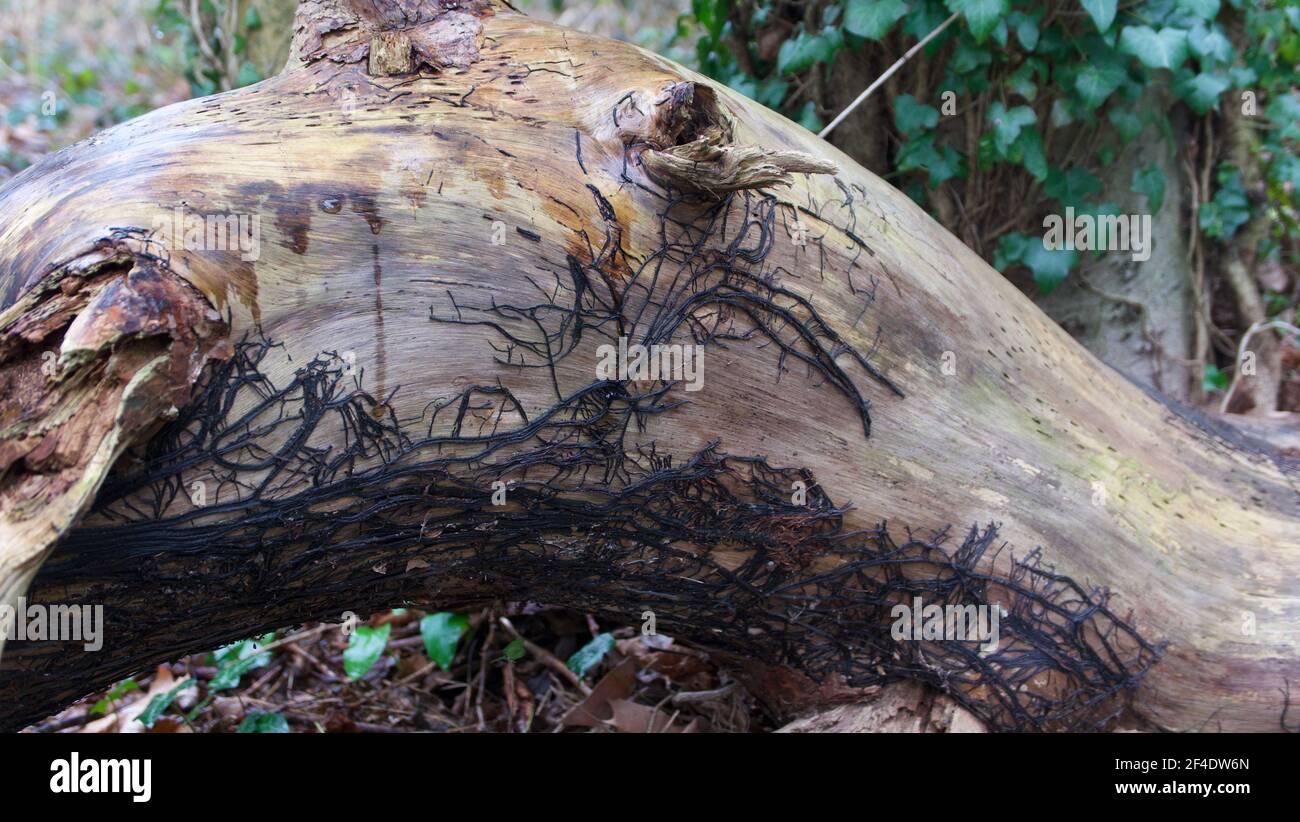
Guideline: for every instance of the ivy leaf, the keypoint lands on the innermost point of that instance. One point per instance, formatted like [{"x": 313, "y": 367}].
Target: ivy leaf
[
  {"x": 514, "y": 651},
  {"x": 120, "y": 690},
  {"x": 1026, "y": 29},
  {"x": 1285, "y": 169},
  {"x": 1150, "y": 180},
  {"x": 364, "y": 647},
  {"x": 1102, "y": 12},
  {"x": 1007, "y": 124},
  {"x": 808, "y": 117},
  {"x": 1097, "y": 79},
  {"x": 802, "y": 51},
  {"x": 1021, "y": 81},
  {"x": 912, "y": 116},
  {"x": 260, "y": 722},
  {"x": 873, "y": 19},
  {"x": 159, "y": 703},
  {"x": 1213, "y": 379},
  {"x": 1284, "y": 111},
  {"x": 1030, "y": 148},
  {"x": 589, "y": 655},
  {"x": 229, "y": 674},
  {"x": 1201, "y": 92},
  {"x": 1229, "y": 210},
  {"x": 925, "y": 17},
  {"x": 1050, "y": 265},
  {"x": 1209, "y": 44},
  {"x": 967, "y": 58},
  {"x": 237, "y": 659},
  {"x": 920, "y": 154},
  {"x": 248, "y": 75},
  {"x": 1204, "y": 9},
  {"x": 982, "y": 16},
  {"x": 1127, "y": 123},
  {"x": 1164, "y": 49},
  {"x": 244, "y": 649},
  {"x": 1071, "y": 188},
  {"x": 441, "y": 633}
]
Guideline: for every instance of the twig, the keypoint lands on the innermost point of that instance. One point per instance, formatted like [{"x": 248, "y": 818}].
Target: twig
[
  {"x": 1241, "y": 352},
  {"x": 889, "y": 72},
  {"x": 547, "y": 658}
]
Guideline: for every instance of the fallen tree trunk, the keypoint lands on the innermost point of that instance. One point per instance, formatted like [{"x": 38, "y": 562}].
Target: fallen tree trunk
[{"x": 449, "y": 209}]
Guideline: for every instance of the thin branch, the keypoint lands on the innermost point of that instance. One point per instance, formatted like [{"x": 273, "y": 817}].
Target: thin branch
[{"x": 889, "y": 72}]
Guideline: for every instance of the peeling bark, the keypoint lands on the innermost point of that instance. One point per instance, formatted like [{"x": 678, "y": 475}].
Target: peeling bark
[{"x": 94, "y": 357}]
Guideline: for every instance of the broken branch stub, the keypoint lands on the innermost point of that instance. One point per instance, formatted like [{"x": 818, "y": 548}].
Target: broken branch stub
[
  {"x": 686, "y": 141},
  {"x": 94, "y": 358}
]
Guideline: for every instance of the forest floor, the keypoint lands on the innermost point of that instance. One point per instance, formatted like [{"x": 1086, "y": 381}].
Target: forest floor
[{"x": 518, "y": 668}]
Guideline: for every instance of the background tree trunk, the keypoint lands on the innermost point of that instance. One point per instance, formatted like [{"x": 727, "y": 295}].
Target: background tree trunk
[{"x": 459, "y": 205}]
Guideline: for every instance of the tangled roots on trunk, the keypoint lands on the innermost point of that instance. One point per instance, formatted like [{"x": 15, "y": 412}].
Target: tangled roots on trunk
[{"x": 712, "y": 545}]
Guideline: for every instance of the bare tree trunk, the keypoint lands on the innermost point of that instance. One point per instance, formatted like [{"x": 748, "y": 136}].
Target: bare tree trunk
[{"x": 403, "y": 398}]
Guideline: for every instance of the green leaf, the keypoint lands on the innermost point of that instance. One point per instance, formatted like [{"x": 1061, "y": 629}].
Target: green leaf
[
  {"x": 925, "y": 17},
  {"x": 1097, "y": 79},
  {"x": 159, "y": 703},
  {"x": 1213, "y": 379},
  {"x": 1102, "y": 12},
  {"x": 920, "y": 154},
  {"x": 1026, "y": 30},
  {"x": 252, "y": 20},
  {"x": 912, "y": 116},
  {"x": 244, "y": 649},
  {"x": 808, "y": 117},
  {"x": 260, "y": 722},
  {"x": 514, "y": 651},
  {"x": 1021, "y": 81},
  {"x": 1050, "y": 265},
  {"x": 441, "y": 633},
  {"x": 229, "y": 674},
  {"x": 1229, "y": 209},
  {"x": 1127, "y": 123},
  {"x": 1030, "y": 148},
  {"x": 1204, "y": 9},
  {"x": 873, "y": 19},
  {"x": 589, "y": 655},
  {"x": 1164, "y": 49},
  {"x": 982, "y": 16},
  {"x": 1007, "y": 124},
  {"x": 804, "y": 50},
  {"x": 967, "y": 58},
  {"x": 248, "y": 75},
  {"x": 1284, "y": 170},
  {"x": 1201, "y": 92},
  {"x": 1284, "y": 111},
  {"x": 1210, "y": 44},
  {"x": 1072, "y": 187},
  {"x": 1150, "y": 180},
  {"x": 119, "y": 690},
  {"x": 364, "y": 648},
  {"x": 1010, "y": 250}
]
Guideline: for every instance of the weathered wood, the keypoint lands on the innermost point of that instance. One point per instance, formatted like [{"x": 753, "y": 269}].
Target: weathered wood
[{"x": 381, "y": 198}]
